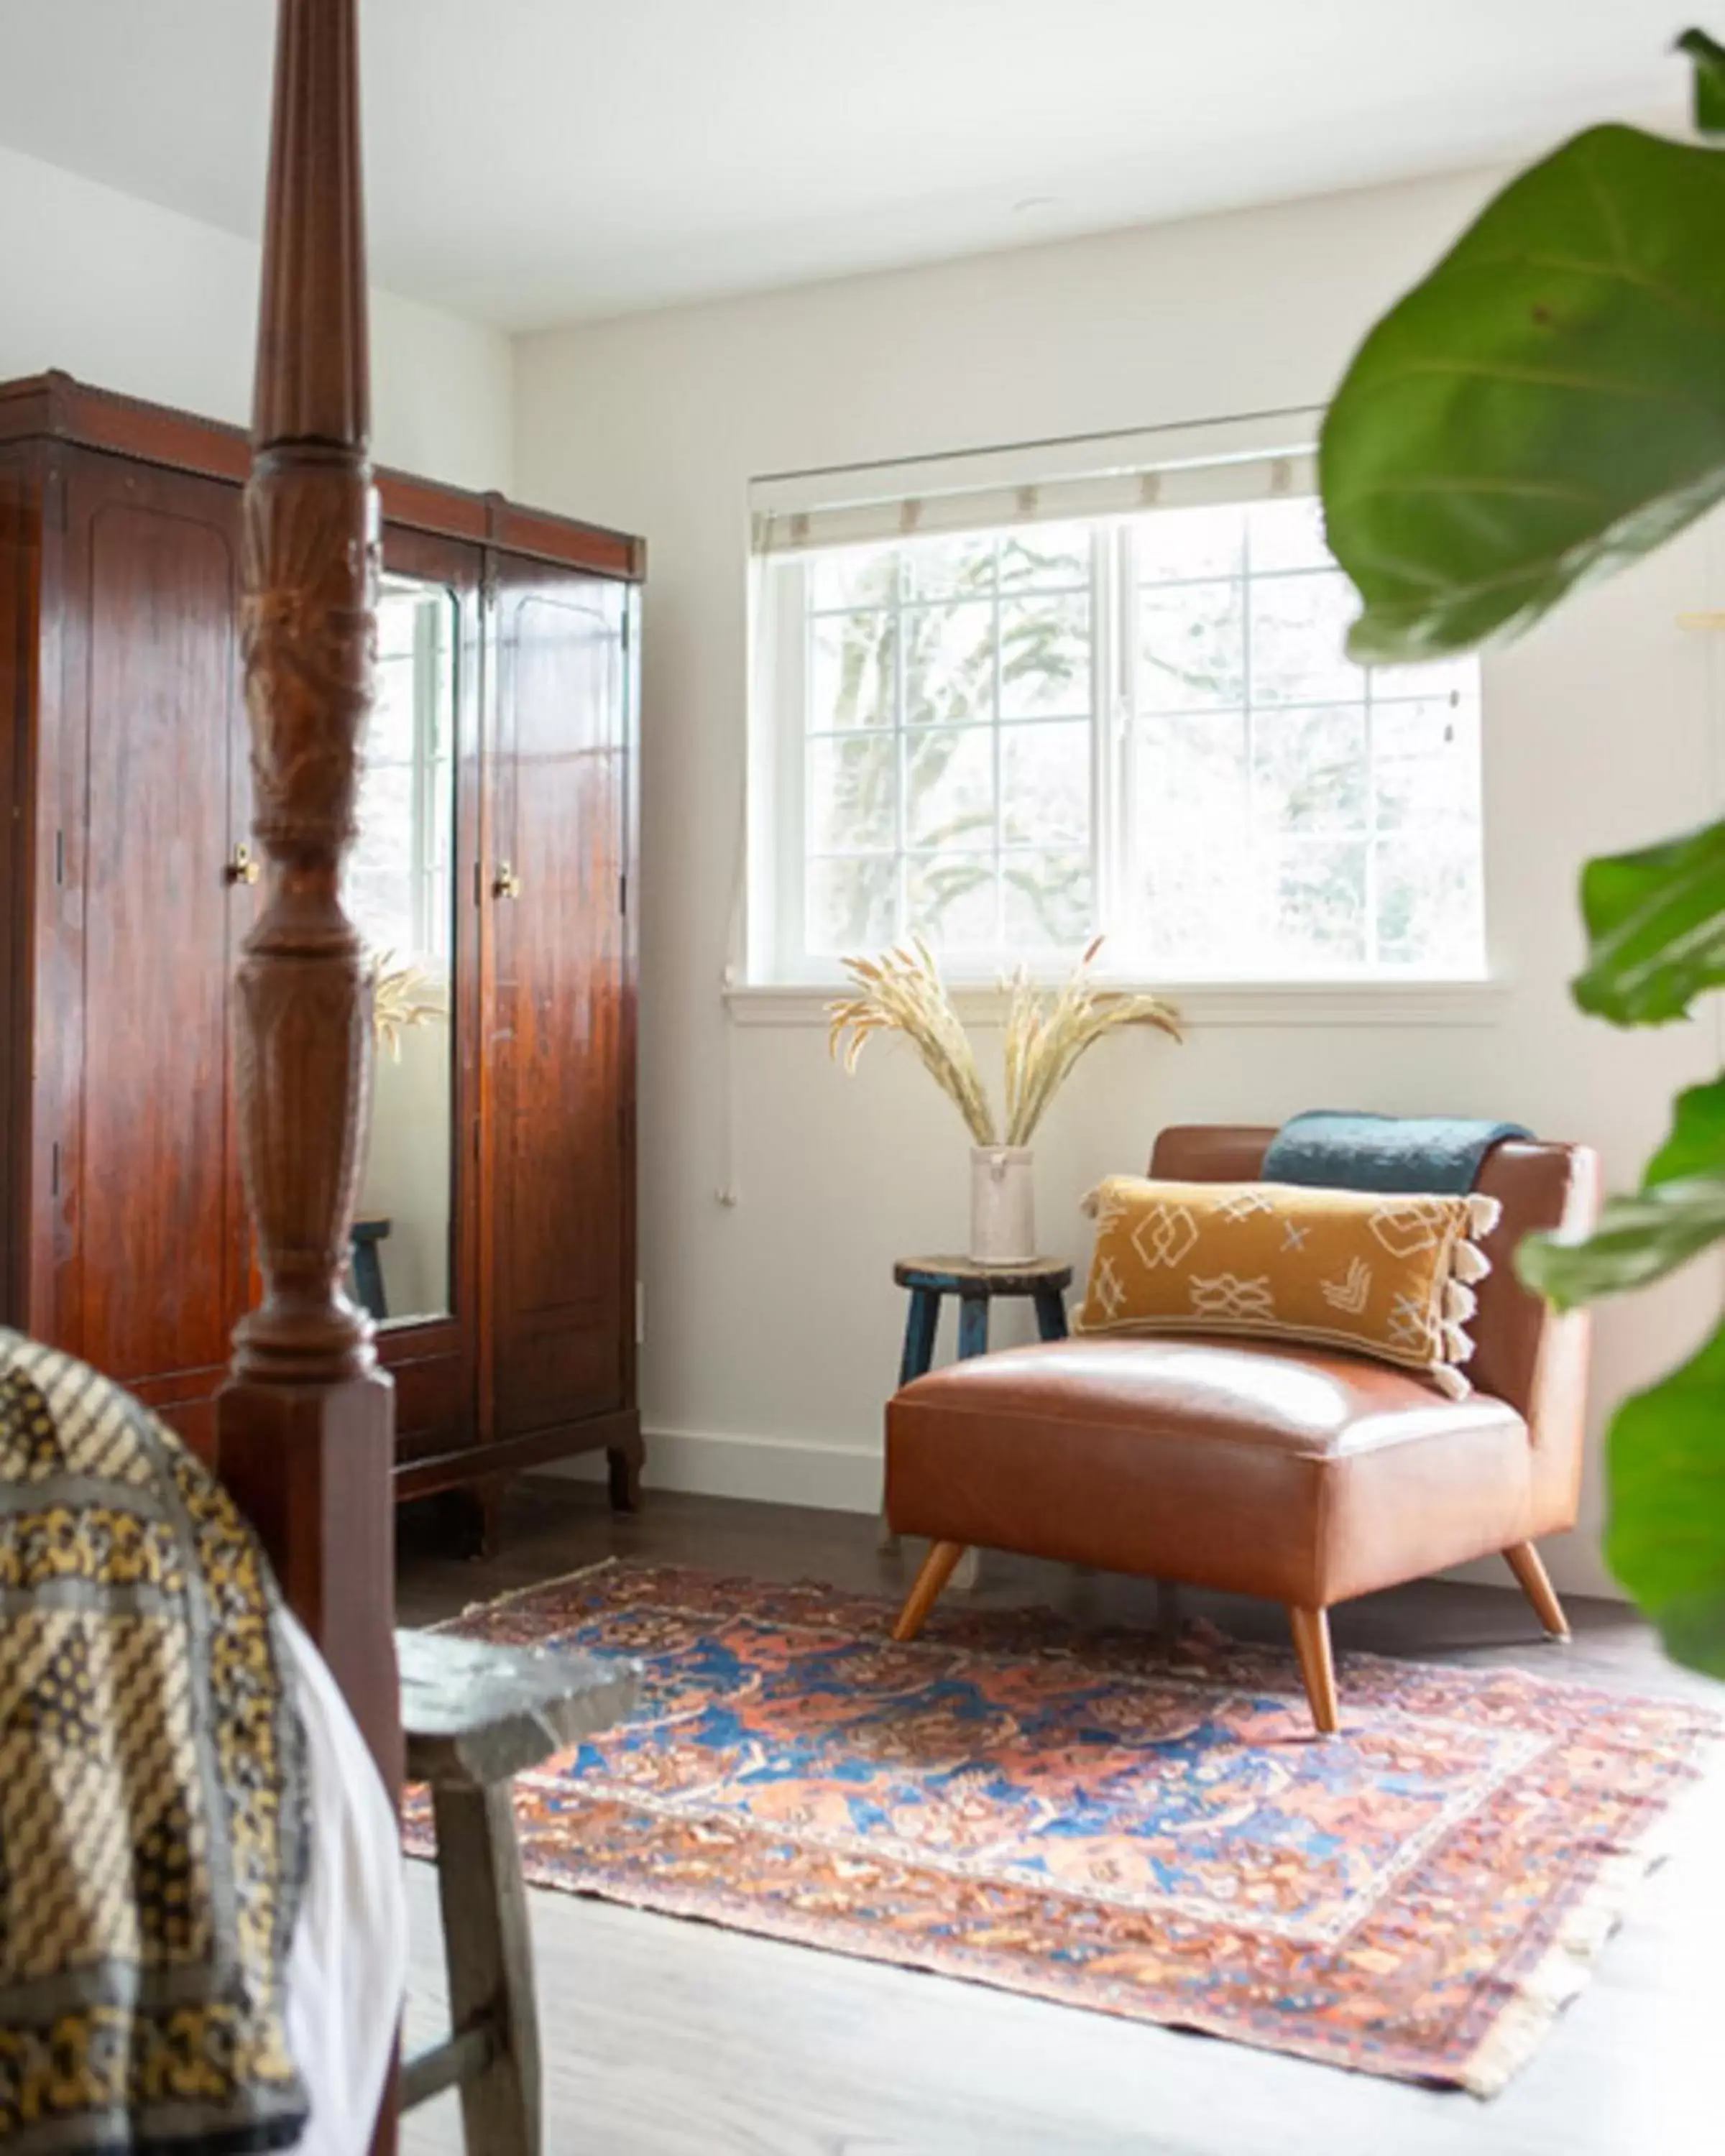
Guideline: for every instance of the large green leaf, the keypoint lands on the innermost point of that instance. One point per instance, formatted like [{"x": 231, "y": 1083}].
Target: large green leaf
[
  {"x": 1709, "y": 59},
  {"x": 1549, "y": 404},
  {"x": 1638, "y": 1240},
  {"x": 1697, "y": 1143},
  {"x": 1667, "y": 1539},
  {"x": 1656, "y": 920},
  {"x": 1680, "y": 1211}
]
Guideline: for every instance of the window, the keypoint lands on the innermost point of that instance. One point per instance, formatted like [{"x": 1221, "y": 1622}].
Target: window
[{"x": 1009, "y": 737}]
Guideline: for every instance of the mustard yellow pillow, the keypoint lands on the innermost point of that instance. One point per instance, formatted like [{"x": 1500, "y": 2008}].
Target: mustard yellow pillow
[{"x": 1387, "y": 1276}]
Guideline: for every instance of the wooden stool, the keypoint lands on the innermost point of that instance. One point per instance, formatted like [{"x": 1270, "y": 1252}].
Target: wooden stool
[
  {"x": 476, "y": 1716},
  {"x": 1044, "y": 1281}
]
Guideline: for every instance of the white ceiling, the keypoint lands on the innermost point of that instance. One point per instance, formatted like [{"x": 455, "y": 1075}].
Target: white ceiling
[{"x": 536, "y": 161}]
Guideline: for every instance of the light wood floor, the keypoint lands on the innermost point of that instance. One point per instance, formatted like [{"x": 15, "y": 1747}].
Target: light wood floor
[{"x": 665, "y": 2038}]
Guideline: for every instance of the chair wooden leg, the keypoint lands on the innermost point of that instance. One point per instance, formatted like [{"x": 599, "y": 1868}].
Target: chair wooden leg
[
  {"x": 936, "y": 1571},
  {"x": 1317, "y": 1665},
  {"x": 1526, "y": 1564}
]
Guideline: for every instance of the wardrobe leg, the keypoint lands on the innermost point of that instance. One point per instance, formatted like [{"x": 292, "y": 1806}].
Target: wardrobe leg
[
  {"x": 1317, "y": 1666},
  {"x": 937, "y": 1570},
  {"x": 623, "y": 1465},
  {"x": 1529, "y": 1568}
]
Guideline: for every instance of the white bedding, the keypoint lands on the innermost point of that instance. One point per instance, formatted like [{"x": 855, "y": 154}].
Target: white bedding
[{"x": 348, "y": 1969}]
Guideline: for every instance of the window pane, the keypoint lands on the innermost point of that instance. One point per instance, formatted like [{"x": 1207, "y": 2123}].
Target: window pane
[
  {"x": 1429, "y": 903},
  {"x": 854, "y": 576},
  {"x": 853, "y": 792},
  {"x": 1199, "y": 905},
  {"x": 1045, "y": 783},
  {"x": 1447, "y": 677},
  {"x": 1320, "y": 906},
  {"x": 959, "y": 567},
  {"x": 1192, "y": 647},
  {"x": 851, "y": 671},
  {"x": 1183, "y": 543},
  {"x": 1425, "y": 764},
  {"x": 852, "y": 905},
  {"x": 1046, "y": 555},
  {"x": 389, "y": 737},
  {"x": 1046, "y": 657},
  {"x": 1289, "y": 535},
  {"x": 1442, "y": 727},
  {"x": 1299, "y": 639},
  {"x": 380, "y": 867},
  {"x": 949, "y": 664},
  {"x": 1309, "y": 769},
  {"x": 949, "y": 787},
  {"x": 1050, "y": 900},
  {"x": 1191, "y": 776},
  {"x": 950, "y": 900}
]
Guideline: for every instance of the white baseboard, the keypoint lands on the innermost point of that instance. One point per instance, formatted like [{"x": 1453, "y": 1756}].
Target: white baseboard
[
  {"x": 783, "y": 1470},
  {"x": 768, "y": 1471}
]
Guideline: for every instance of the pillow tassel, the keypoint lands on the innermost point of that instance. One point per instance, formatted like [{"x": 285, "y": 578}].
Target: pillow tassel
[
  {"x": 1450, "y": 1381},
  {"x": 1459, "y": 1301},
  {"x": 1469, "y": 1262},
  {"x": 1457, "y": 1346},
  {"x": 1483, "y": 1213}
]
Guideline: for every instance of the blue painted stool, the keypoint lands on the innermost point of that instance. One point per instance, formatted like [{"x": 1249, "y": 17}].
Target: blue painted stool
[{"x": 1044, "y": 1281}]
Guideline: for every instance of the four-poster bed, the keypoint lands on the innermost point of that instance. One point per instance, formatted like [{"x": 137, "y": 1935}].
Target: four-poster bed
[
  {"x": 305, "y": 1423},
  {"x": 125, "y": 1258}
]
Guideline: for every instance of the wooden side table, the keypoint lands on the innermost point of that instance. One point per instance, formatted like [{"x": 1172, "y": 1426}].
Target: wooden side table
[{"x": 1043, "y": 1281}]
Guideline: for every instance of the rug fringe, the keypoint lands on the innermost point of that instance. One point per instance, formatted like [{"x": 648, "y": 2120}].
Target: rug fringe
[
  {"x": 1566, "y": 1967},
  {"x": 473, "y": 1610}
]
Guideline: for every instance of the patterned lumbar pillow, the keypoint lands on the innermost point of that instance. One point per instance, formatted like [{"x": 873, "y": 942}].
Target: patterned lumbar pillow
[{"x": 1390, "y": 1277}]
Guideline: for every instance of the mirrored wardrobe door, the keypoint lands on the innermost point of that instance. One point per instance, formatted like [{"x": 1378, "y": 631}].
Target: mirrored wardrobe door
[{"x": 401, "y": 892}]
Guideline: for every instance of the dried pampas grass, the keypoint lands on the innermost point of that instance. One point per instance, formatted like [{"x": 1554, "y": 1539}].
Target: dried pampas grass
[
  {"x": 1043, "y": 1042},
  {"x": 403, "y": 996},
  {"x": 902, "y": 991}
]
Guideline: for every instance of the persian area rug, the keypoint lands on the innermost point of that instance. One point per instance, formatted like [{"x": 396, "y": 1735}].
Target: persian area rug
[{"x": 1067, "y": 1813}]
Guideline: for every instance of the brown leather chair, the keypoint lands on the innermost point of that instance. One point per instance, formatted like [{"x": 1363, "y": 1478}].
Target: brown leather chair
[{"x": 1307, "y": 1476}]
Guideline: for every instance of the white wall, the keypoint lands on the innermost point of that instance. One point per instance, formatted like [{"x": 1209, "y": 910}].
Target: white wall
[
  {"x": 773, "y": 1326},
  {"x": 130, "y": 297}
]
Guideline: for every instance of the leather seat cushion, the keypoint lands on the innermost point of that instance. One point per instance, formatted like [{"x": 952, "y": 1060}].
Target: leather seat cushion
[{"x": 1268, "y": 1470}]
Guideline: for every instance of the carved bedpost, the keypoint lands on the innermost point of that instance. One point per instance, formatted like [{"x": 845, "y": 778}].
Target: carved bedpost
[{"x": 305, "y": 1422}]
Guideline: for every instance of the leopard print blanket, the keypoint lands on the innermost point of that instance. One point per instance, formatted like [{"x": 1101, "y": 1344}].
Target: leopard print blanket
[{"x": 153, "y": 1807}]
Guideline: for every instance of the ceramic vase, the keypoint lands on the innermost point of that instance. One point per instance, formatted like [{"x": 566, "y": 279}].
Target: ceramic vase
[{"x": 1003, "y": 1205}]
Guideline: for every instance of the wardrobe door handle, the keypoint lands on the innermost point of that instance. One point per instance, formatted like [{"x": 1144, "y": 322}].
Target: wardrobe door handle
[
  {"x": 241, "y": 869},
  {"x": 505, "y": 883}
]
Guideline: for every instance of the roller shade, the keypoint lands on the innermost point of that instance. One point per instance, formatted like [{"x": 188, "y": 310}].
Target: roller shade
[{"x": 1049, "y": 483}]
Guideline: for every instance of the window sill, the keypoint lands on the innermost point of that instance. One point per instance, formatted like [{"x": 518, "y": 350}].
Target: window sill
[{"x": 1203, "y": 1006}]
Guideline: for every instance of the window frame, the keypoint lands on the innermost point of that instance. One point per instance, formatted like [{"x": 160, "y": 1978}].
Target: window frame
[{"x": 776, "y": 958}]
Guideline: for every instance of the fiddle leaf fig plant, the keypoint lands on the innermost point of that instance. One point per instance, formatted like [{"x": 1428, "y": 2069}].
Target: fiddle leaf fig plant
[{"x": 1547, "y": 406}]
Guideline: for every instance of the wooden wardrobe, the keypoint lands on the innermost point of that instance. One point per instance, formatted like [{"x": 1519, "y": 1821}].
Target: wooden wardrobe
[{"x": 127, "y": 885}]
